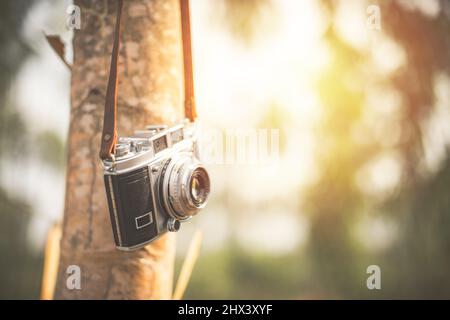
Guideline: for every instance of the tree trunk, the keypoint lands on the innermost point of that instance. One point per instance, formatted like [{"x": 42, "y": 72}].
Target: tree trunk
[{"x": 150, "y": 78}]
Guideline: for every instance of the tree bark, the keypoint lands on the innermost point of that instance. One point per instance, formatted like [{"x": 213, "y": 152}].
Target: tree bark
[{"x": 150, "y": 75}]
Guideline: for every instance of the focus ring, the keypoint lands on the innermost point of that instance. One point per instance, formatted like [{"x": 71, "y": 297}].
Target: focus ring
[{"x": 174, "y": 194}]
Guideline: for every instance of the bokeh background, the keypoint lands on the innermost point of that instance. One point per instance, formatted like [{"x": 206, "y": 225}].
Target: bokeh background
[{"x": 363, "y": 172}]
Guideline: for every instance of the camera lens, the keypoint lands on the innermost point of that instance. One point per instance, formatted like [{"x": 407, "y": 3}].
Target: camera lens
[
  {"x": 185, "y": 187},
  {"x": 199, "y": 186}
]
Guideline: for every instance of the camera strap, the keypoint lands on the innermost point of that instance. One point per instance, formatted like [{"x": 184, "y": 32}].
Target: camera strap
[
  {"x": 189, "y": 96},
  {"x": 109, "y": 134}
]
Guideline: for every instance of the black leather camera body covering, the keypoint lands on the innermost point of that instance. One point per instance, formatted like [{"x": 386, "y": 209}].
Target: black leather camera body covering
[{"x": 135, "y": 217}]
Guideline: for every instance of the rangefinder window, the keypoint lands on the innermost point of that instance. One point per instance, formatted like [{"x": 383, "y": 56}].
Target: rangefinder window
[
  {"x": 160, "y": 144},
  {"x": 177, "y": 136}
]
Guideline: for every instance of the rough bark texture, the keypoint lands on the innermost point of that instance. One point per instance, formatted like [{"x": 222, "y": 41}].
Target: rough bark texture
[{"x": 149, "y": 93}]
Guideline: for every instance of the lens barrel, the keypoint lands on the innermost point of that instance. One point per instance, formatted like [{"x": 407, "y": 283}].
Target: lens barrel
[{"x": 185, "y": 187}]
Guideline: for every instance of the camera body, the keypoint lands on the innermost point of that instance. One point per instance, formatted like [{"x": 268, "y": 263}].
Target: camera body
[{"x": 154, "y": 183}]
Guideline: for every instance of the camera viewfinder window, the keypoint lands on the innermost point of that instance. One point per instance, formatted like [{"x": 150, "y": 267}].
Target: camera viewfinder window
[
  {"x": 160, "y": 144},
  {"x": 177, "y": 136}
]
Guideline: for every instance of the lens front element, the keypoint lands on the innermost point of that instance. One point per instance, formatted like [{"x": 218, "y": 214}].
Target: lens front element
[{"x": 199, "y": 186}]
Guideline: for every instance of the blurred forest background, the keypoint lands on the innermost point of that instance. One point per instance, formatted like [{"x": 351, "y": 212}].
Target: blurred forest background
[{"x": 364, "y": 172}]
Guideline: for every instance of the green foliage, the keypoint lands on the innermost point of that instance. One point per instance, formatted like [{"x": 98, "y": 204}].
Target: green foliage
[
  {"x": 232, "y": 273},
  {"x": 334, "y": 263},
  {"x": 20, "y": 265},
  {"x": 416, "y": 266},
  {"x": 51, "y": 149}
]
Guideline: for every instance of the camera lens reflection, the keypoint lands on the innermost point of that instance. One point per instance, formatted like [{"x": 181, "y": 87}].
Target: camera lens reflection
[{"x": 199, "y": 186}]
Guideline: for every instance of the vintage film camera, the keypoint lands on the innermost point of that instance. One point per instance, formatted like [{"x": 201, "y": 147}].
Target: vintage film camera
[{"x": 154, "y": 182}]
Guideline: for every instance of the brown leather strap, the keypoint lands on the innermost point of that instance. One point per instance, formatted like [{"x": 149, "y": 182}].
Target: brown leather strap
[
  {"x": 109, "y": 135},
  {"x": 189, "y": 100}
]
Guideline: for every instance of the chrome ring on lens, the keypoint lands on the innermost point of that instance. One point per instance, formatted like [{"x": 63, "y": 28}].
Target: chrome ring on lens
[{"x": 185, "y": 187}]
